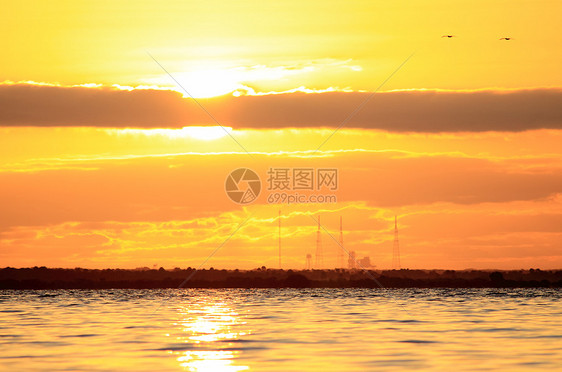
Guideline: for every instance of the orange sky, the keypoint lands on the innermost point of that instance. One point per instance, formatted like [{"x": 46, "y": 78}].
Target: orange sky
[{"x": 462, "y": 143}]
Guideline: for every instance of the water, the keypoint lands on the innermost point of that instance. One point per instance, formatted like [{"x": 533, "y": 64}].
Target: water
[{"x": 281, "y": 330}]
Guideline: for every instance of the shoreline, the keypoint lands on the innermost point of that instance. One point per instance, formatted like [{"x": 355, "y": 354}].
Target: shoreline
[{"x": 52, "y": 278}]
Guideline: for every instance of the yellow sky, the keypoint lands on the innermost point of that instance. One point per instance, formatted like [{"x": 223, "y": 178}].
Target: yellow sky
[
  {"x": 104, "y": 175},
  {"x": 269, "y": 46}
]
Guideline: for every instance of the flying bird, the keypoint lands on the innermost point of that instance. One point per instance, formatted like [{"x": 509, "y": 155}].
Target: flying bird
[
  {"x": 505, "y": 38},
  {"x": 449, "y": 36}
]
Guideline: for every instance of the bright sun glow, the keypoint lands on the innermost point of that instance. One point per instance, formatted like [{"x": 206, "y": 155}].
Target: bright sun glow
[
  {"x": 210, "y": 83},
  {"x": 205, "y": 82}
]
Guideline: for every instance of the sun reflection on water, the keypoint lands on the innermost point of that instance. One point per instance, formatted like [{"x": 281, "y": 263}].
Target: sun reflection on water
[
  {"x": 209, "y": 328},
  {"x": 220, "y": 361}
]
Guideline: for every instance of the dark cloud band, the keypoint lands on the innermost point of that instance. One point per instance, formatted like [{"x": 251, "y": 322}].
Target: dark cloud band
[{"x": 401, "y": 111}]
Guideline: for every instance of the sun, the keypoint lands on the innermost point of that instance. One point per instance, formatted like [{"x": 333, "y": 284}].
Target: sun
[{"x": 206, "y": 83}]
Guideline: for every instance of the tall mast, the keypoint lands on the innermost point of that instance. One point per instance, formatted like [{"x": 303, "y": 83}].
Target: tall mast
[
  {"x": 396, "y": 248},
  {"x": 279, "y": 238},
  {"x": 319, "y": 258}
]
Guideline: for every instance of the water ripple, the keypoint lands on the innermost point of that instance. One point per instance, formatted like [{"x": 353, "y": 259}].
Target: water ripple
[{"x": 281, "y": 329}]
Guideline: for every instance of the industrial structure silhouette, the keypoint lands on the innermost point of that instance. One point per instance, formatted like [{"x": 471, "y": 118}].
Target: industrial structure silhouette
[
  {"x": 396, "y": 248},
  {"x": 319, "y": 254},
  {"x": 352, "y": 261}
]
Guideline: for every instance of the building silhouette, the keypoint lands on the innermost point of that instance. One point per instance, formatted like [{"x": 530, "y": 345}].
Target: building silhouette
[
  {"x": 351, "y": 261},
  {"x": 365, "y": 262}
]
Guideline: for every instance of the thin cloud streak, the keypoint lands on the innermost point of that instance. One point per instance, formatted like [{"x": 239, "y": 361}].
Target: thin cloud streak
[{"x": 532, "y": 163}]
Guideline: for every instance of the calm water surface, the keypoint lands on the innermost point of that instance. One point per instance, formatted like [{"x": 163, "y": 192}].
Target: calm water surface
[{"x": 280, "y": 330}]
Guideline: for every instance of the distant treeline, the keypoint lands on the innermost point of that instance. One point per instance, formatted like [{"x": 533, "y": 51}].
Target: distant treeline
[{"x": 46, "y": 278}]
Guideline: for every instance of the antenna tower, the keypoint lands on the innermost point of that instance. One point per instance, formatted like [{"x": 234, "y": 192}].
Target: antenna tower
[
  {"x": 280, "y": 239},
  {"x": 396, "y": 248},
  {"x": 319, "y": 258},
  {"x": 340, "y": 254}
]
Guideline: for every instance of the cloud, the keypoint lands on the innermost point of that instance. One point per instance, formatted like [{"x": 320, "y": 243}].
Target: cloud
[
  {"x": 440, "y": 235},
  {"x": 397, "y": 111},
  {"x": 146, "y": 188},
  {"x": 39, "y": 105}
]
